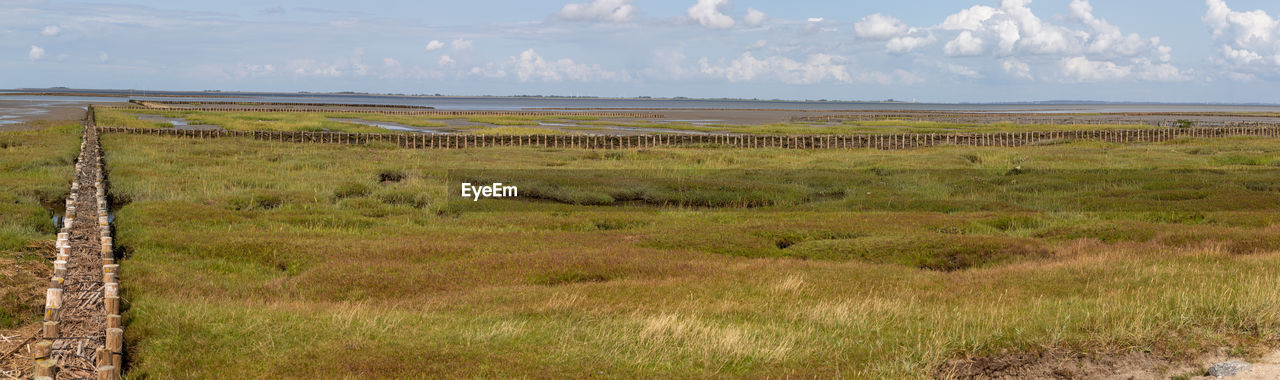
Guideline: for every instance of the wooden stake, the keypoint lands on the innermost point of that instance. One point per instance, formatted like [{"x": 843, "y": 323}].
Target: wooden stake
[
  {"x": 108, "y": 372},
  {"x": 113, "y": 321},
  {"x": 51, "y": 330},
  {"x": 43, "y": 349},
  {"x": 102, "y": 357},
  {"x": 52, "y": 302},
  {"x": 115, "y": 343},
  {"x": 46, "y": 367}
]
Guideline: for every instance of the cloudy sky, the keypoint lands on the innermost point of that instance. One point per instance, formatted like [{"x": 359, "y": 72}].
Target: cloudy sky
[{"x": 929, "y": 50}]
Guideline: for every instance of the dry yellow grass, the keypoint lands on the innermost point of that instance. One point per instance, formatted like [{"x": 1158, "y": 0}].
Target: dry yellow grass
[{"x": 248, "y": 257}]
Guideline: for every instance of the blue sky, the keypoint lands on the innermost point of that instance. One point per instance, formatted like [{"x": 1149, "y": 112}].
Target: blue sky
[{"x": 932, "y": 50}]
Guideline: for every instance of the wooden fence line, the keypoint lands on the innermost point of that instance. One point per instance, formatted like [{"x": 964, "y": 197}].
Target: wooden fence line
[
  {"x": 624, "y": 115},
  {"x": 108, "y": 356},
  {"x": 254, "y": 103},
  {"x": 883, "y": 142},
  {"x": 1041, "y": 120}
]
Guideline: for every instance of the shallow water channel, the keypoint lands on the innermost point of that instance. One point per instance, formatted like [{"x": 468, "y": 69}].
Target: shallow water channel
[{"x": 392, "y": 126}]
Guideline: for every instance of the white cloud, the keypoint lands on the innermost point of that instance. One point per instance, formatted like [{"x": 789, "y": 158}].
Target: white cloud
[
  {"x": 255, "y": 70},
  {"x": 1159, "y": 72},
  {"x": 392, "y": 68},
  {"x": 901, "y": 39},
  {"x": 237, "y": 71},
  {"x": 359, "y": 68},
  {"x": 1083, "y": 46},
  {"x": 961, "y": 70},
  {"x": 489, "y": 71},
  {"x": 435, "y": 45},
  {"x": 103, "y": 56},
  {"x": 817, "y": 69},
  {"x": 1035, "y": 35},
  {"x": 816, "y": 19},
  {"x": 51, "y": 31},
  {"x": 668, "y": 63},
  {"x": 965, "y": 45},
  {"x": 895, "y": 77},
  {"x": 709, "y": 13},
  {"x": 971, "y": 19},
  {"x": 1250, "y": 41},
  {"x": 1017, "y": 68},
  {"x": 878, "y": 27},
  {"x": 754, "y": 18},
  {"x": 311, "y": 67},
  {"x": 35, "y": 53},
  {"x": 1084, "y": 70},
  {"x": 446, "y": 62},
  {"x": 1242, "y": 28},
  {"x": 905, "y": 44},
  {"x": 1242, "y": 77},
  {"x": 350, "y": 65},
  {"x": 1107, "y": 39},
  {"x": 462, "y": 44},
  {"x": 598, "y": 11},
  {"x": 531, "y": 67},
  {"x": 1241, "y": 55},
  {"x": 1016, "y": 30}
]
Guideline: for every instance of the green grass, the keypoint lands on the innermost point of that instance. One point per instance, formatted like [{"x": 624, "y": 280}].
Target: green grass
[
  {"x": 238, "y": 121},
  {"x": 248, "y": 257},
  {"x": 35, "y": 174},
  {"x": 35, "y": 177}
]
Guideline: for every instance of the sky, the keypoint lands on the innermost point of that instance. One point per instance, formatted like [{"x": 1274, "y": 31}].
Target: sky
[{"x": 923, "y": 50}]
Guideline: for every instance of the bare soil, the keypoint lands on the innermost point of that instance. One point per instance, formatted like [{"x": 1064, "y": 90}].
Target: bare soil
[
  {"x": 22, "y": 287},
  {"x": 28, "y": 111},
  {"x": 1064, "y": 365},
  {"x": 16, "y": 351}
]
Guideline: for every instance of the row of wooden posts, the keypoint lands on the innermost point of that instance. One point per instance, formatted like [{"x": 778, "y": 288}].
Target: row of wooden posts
[
  {"x": 985, "y": 119},
  {"x": 109, "y": 354},
  {"x": 152, "y": 103},
  {"x": 624, "y": 115},
  {"x": 886, "y": 142}
]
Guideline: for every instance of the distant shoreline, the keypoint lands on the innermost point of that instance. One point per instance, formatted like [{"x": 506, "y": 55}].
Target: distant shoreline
[{"x": 248, "y": 94}]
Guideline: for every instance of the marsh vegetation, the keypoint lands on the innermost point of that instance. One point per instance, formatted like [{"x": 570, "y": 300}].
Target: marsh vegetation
[
  {"x": 246, "y": 257},
  {"x": 35, "y": 173}
]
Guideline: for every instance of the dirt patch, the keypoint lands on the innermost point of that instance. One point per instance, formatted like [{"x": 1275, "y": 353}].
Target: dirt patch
[
  {"x": 14, "y": 113},
  {"x": 16, "y": 351},
  {"x": 1268, "y": 368},
  {"x": 1063, "y": 365},
  {"x": 23, "y": 278}
]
